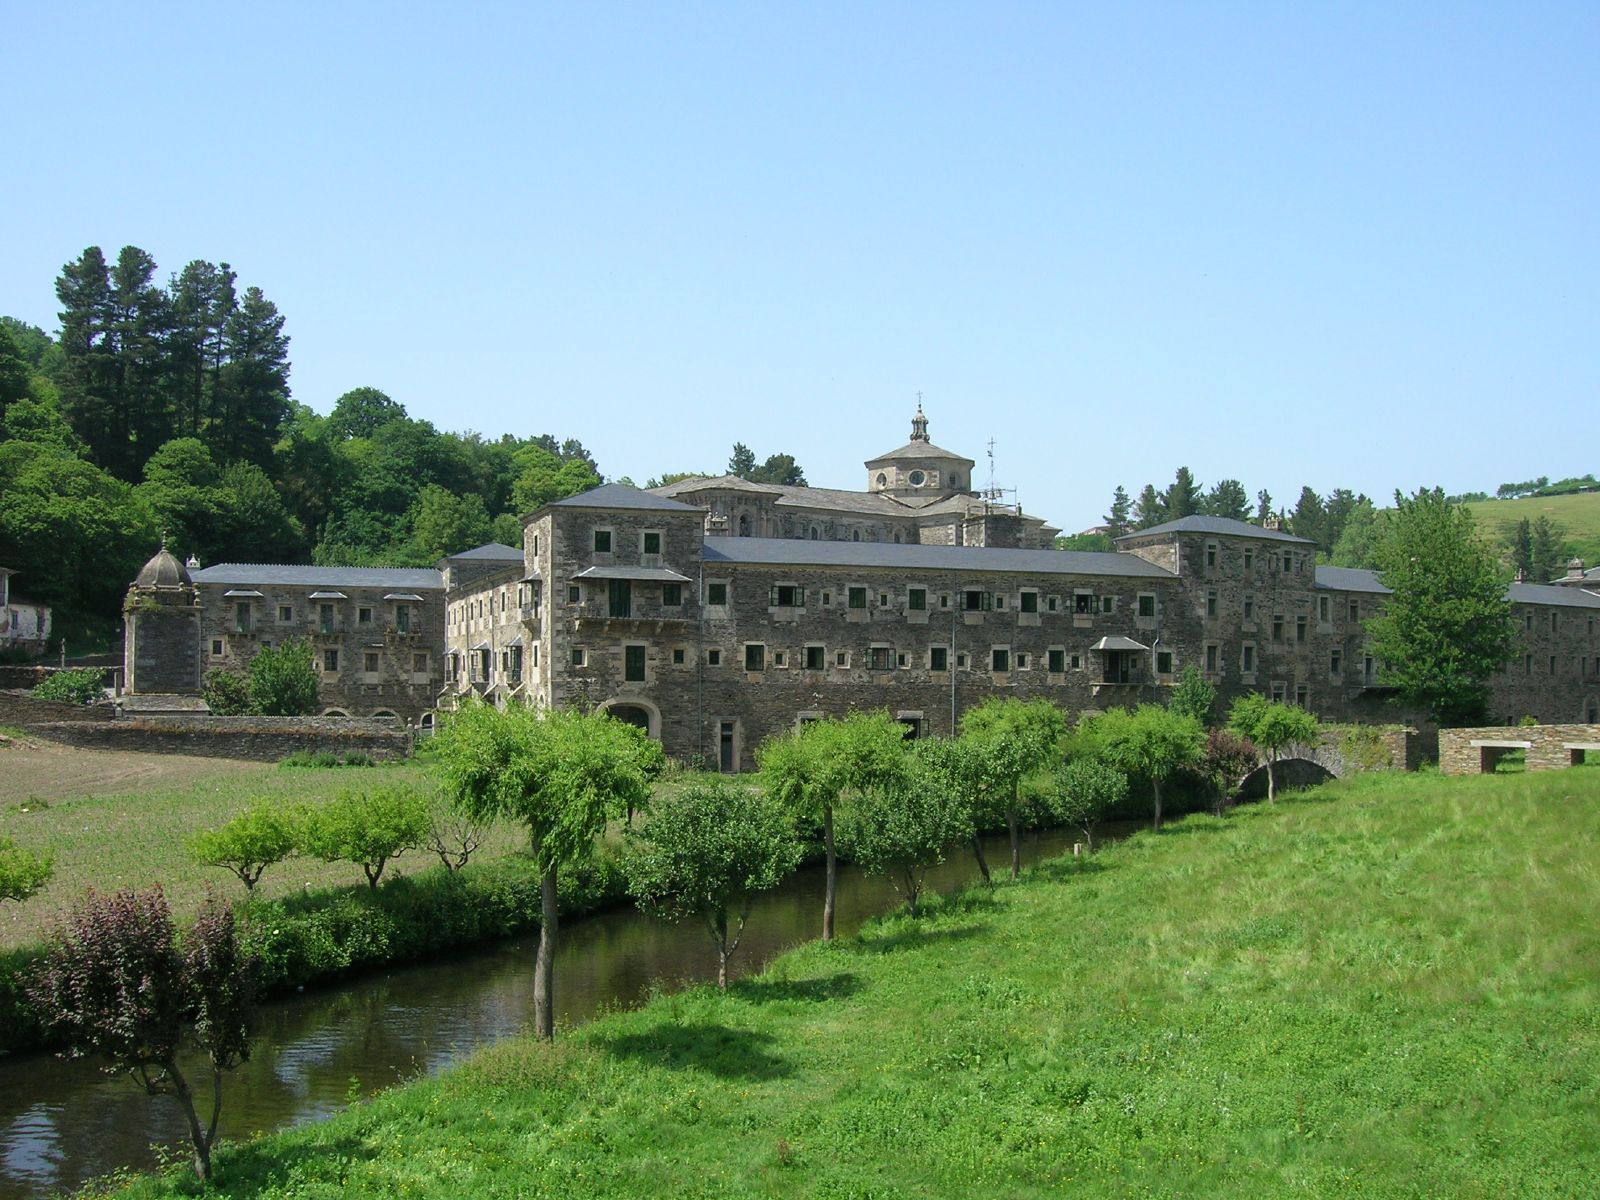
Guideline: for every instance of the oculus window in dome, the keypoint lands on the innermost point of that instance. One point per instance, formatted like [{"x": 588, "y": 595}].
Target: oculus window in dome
[{"x": 918, "y": 478}]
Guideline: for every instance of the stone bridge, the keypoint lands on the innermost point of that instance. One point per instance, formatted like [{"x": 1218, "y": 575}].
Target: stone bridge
[{"x": 1342, "y": 750}]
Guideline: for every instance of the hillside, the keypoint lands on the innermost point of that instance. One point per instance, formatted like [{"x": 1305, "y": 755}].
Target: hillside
[
  {"x": 1576, "y": 516},
  {"x": 1380, "y": 988}
]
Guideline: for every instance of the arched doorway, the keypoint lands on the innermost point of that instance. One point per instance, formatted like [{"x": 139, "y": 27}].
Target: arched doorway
[{"x": 639, "y": 713}]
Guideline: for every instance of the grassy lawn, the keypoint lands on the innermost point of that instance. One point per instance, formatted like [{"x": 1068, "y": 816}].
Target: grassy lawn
[
  {"x": 1388, "y": 987},
  {"x": 134, "y": 834},
  {"x": 1577, "y": 517}
]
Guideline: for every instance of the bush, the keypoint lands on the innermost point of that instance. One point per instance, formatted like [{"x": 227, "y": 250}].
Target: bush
[
  {"x": 283, "y": 680},
  {"x": 226, "y": 693},
  {"x": 81, "y": 685},
  {"x": 323, "y": 759}
]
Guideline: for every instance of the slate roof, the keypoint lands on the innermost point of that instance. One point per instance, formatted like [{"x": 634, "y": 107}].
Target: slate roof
[
  {"x": 785, "y": 551},
  {"x": 1223, "y": 526},
  {"x": 1549, "y": 593},
  {"x": 825, "y": 499},
  {"x": 1350, "y": 579},
  {"x": 707, "y": 483},
  {"x": 232, "y": 574},
  {"x": 918, "y": 450},
  {"x": 495, "y": 551},
  {"x": 620, "y": 495}
]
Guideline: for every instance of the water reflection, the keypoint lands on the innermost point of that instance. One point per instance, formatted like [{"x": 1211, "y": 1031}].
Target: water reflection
[{"x": 62, "y": 1123}]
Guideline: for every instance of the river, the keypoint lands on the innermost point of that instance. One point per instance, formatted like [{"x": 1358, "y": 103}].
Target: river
[{"x": 65, "y": 1122}]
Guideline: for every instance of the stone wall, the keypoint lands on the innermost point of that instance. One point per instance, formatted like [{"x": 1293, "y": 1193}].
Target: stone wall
[
  {"x": 19, "y": 708},
  {"x": 262, "y": 739},
  {"x": 21, "y": 678},
  {"x": 1548, "y": 747}
]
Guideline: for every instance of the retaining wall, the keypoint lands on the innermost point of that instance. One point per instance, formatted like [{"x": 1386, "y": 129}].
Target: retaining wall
[
  {"x": 1548, "y": 747},
  {"x": 19, "y": 708},
  {"x": 261, "y": 739}
]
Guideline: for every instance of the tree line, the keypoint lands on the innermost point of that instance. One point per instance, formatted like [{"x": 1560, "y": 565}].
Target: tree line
[{"x": 164, "y": 408}]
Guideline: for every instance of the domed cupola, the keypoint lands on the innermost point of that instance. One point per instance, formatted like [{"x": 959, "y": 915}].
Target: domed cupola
[
  {"x": 163, "y": 571},
  {"x": 919, "y": 470}
]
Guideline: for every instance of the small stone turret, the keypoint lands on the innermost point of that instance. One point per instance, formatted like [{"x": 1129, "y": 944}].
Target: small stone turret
[{"x": 161, "y": 619}]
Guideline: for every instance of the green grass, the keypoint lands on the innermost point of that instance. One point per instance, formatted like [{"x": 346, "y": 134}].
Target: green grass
[
  {"x": 1576, "y": 516},
  {"x": 1387, "y": 987},
  {"x": 137, "y": 838}
]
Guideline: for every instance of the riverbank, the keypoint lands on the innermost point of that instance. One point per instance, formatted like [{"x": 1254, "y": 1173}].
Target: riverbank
[{"x": 1382, "y": 987}]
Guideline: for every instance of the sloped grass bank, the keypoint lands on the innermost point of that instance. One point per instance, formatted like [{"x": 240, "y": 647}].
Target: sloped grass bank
[{"x": 1388, "y": 987}]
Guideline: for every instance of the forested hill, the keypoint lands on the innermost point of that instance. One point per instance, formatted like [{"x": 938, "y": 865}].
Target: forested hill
[{"x": 167, "y": 408}]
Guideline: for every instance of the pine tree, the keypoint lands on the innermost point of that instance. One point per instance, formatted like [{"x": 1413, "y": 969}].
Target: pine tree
[
  {"x": 1263, "y": 506},
  {"x": 89, "y": 370},
  {"x": 1182, "y": 498},
  {"x": 1116, "y": 520},
  {"x": 1547, "y": 558},
  {"x": 1309, "y": 517},
  {"x": 1228, "y": 499},
  {"x": 1522, "y": 550},
  {"x": 1148, "y": 509},
  {"x": 743, "y": 461},
  {"x": 253, "y": 397}
]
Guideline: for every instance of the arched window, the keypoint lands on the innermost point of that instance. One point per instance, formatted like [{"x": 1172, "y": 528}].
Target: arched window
[
  {"x": 883, "y": 480},
  {"x": 744, "y": 524},
  {"x": 855, "y": 535}
]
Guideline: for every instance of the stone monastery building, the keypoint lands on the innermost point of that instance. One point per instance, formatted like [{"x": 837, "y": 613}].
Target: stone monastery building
[{"x": 715, "y": 612}]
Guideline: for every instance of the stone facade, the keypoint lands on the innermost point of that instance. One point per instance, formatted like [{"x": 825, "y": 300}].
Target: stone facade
[
  {"x": 24, "y": 625},
  {"x": 1547, "y": 747},
  {"x": 263, "y": 739}
]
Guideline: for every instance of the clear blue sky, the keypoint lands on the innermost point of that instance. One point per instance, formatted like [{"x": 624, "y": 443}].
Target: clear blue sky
[{"x": 1346, "y": 245}]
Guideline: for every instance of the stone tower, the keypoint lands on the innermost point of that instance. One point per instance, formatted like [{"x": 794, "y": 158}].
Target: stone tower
[
  {"x": 919, "y": 470},
  {"x": 161, "y": 617}
]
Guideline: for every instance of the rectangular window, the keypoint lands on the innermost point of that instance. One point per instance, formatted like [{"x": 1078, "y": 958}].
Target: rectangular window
[
  {"x": 574, "y": 593},
  {"x": 633, "y": 664},
  {"x": 672, "y": 595},
  {"x": 961, "y": 662},
  {"x": 1000, "y": 659},
  {"x": 1163, "y": 662},
  {"x": 1277, "y": 627},
  {"x": 241, "y": 616},
  {"x": 651, "y": 539},
  {"x": 580, "y": 656},
  {"x": 1077, "y": 662},
  {"x": 1277, "y": 691},
  {"x": 363, "y": 616},
  {"x": 602, "y": 541},
  {"x": 1022, "y": 662},
  {"x": 1147, "y": 604},
  {"x": 816, "y": 658},
  {"x": 975, "y": 601},
  {"x": 841, "y": 658},
  {"x": 1300, "y": 630},
  {"x": 402, "y": 618},
  {"x": 370, "y": 664},
  {"x": 1552, "y": 664},
  {"x": 216, "y": 647},
  {"x": 917, "y": 599},
  {"x": 1055, "y": 661},
  {"x": 677, "y": 656},
  {"x": 1302, "y": 694},
  {"x": 1053, "y": 603},
  {"x": 1213, "y": 652},
  {"x": 755, "y": 657},
  {"x": 938, "y": 658},
  {"x": 1083, "y": 603},
  {"x": 1322, "y": 609},
  {"x": 1247, "y": 659},
  {"x": 285, "y": 613},
  {"x": 717, "y": 594},
  {"x": 1249, "y": 558},
  {"x": 1211, "y": 603},
  {"x": 419, "y": 664},
  {"x": 1335, "y": 661},
  {"x": 330, "y": 660},
  {"x": 780, "y": 658},
  {"x": 1108, "y": 604},
  {"x": 944, "y": 599},
  {"x": 787, "y": 595},
  {"x": 1028, "y": 602},
  {"x": 713, "y": 658},
  {"x": 1249, "y": 606},
  {"x": 1211, "y": 556},
  {"x": 883, "y": 599},
  {"x": 878, "y": 658},
  {"x": 857, "y": 597},
  {"x": 325, "y": 618}
]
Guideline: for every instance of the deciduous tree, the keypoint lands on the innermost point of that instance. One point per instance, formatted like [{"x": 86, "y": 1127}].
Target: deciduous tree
[
  {"x": 1013, "y": 739},
  {"x": 1273, "y": 726},
  {"x": 1193, "y": 696},
  {"x": 706, "y": 852},
  {"x": 902, "y": 827},
  {"x": 1446, "y": 626},
  {"x": 1150, "y": 741},
  {"x": 368, "y": 828},
  {"x": 561, "y": 773},
  {"x": 261, "y": 836},
  {"x": 283, "y": 680},
  {"x": 1084, "y": 790}
]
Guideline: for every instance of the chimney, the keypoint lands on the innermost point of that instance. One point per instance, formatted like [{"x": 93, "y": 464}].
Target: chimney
[
  {"x": 1522, "y": 575},
  {"x": 1575, "y": 570}
]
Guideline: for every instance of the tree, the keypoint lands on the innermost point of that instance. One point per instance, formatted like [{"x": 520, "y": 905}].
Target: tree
[
  {"x": 1085, "y": 789},
  {"x": 1273, "y": 726},
  {"x": 1193, "y": 696},
  {"x": 453, "y": 835},
  {"x": 361, "y": 412},
  {"x": 226, "y": 693},
  {"x": 779, "y": 469},
  {"x": 1149, "y": 509},
  {"x": 742, "y": 462},
  {"x": 14, "y": 373},
  {"x": 283, "y": 680},
  {"x": 706, "y": 852},
  {"x": 1547, "y": 557},
  {"x": 1226, "y": 760},
  {"x": 1263, "y": 506},
  {"x": 562, "y": 773},
  {"x": 366, "y": 828},
  {"x": 824, "y": 763},
  {"x": 902, "y": 827},
  {"x": 117, "y": 983},
  {"x": 958, "y": 768},
  {"x": 1013, "y": 739},
  {"x": 1118, "y": 520},
  {"x": 1358, "y": 537},
  {"x": 1150, "y": 741},
  {"x": 1341, "y": 503},
  {"x": 261, "y": 836},
  {"x": 1446, "y": 626},
  {"x": 1522, "y": 549},
  {"x": 253, "y": 393},
  {"x": 1310, "y": 518},
  {"x": 1182, "y": 498},
  {"x": 22, "y": 871},
  {"x": 80, "y": 685},
  {"x": 1227, "y": 499}
]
